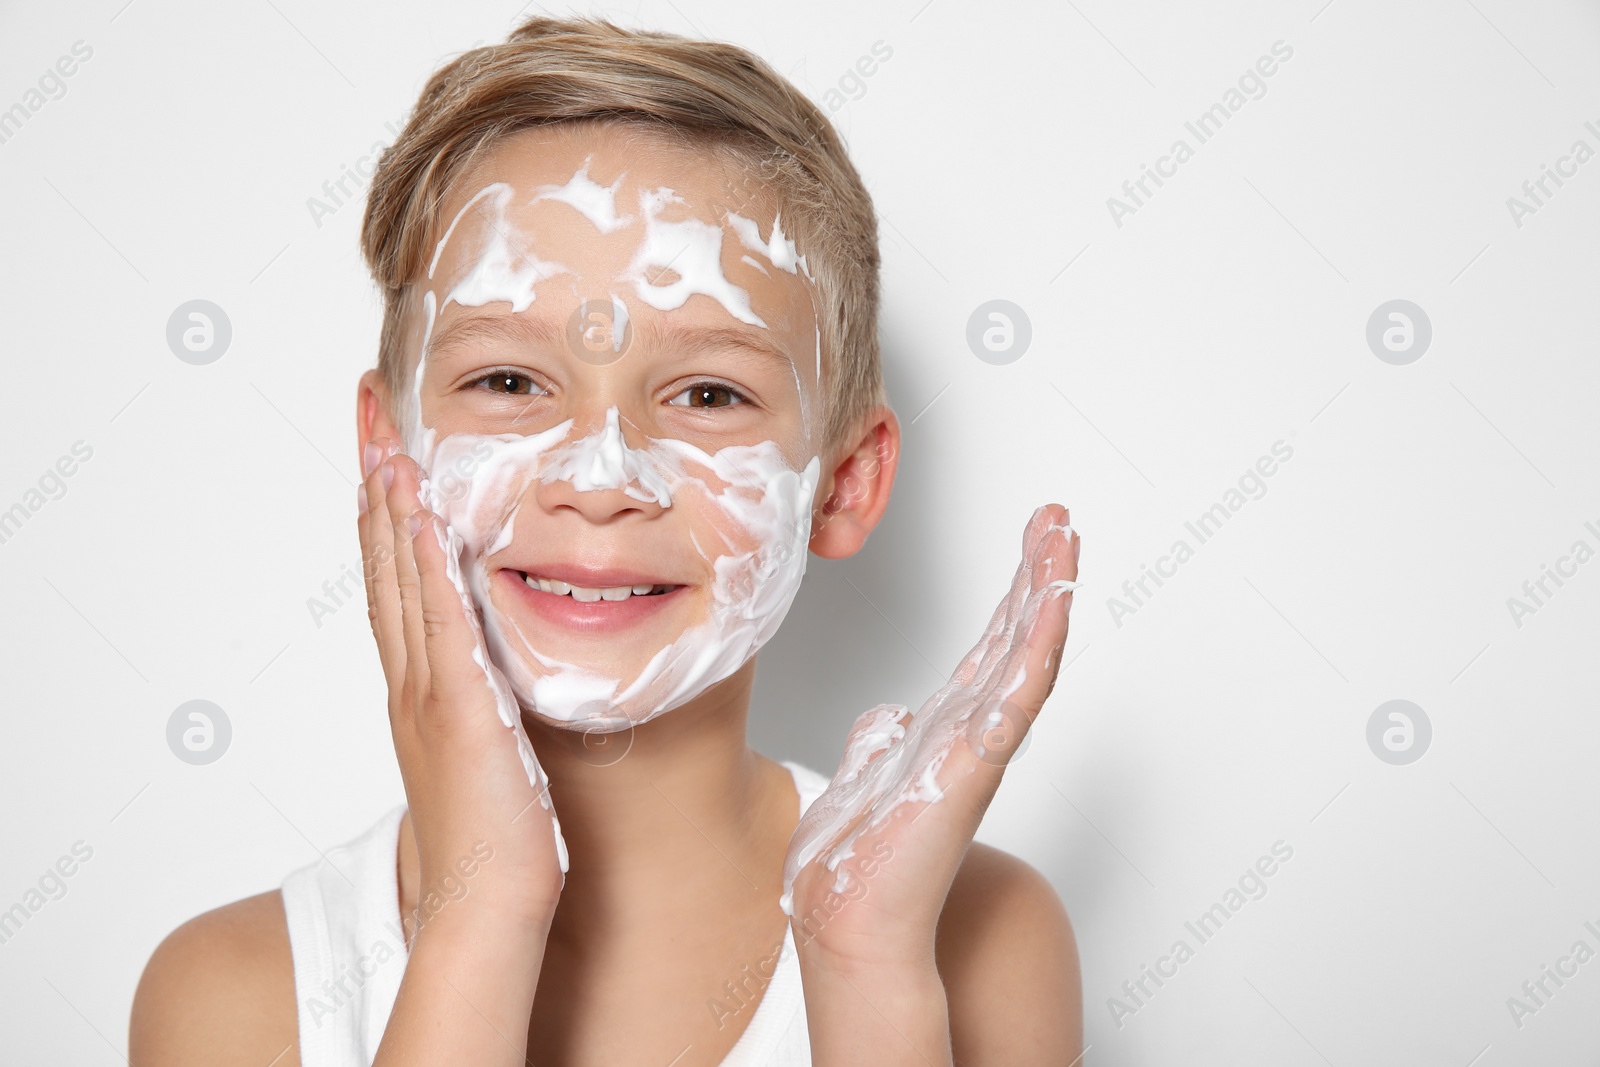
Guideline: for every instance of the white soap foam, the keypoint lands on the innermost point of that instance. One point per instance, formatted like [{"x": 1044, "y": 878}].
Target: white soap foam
[
  {"x": 604, "y": 461},
  {"x": 779, "y": 250},
  {"x": 507, "y": 268},
  {"x": 692, "y": 248},
  {"x": 597, "y": 202}
]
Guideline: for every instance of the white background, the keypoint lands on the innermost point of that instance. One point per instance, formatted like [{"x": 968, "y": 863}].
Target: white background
[{"x": 1168, "y": 353}]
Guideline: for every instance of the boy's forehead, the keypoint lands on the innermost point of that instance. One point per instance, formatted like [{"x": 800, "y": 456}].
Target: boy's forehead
[
  {"x": 589, "y": 210},
  {"x": 626, "y": 158}
]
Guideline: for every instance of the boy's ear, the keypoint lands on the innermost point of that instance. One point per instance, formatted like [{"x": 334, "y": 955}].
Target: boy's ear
[
  {"x": 856, "y": 490},
  {"x": 372, "y": 413}
]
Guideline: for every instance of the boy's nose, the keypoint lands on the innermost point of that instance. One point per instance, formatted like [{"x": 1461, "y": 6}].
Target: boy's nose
[{"x": 600, "y": 476}]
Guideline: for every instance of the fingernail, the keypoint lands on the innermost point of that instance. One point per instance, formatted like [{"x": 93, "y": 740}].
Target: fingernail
[
  {"x": 387, "y": 475},
  {"x": 361, "y": 499},
  {"x": 371, "y": 456},
  {"x": 1077, "y": 546},
  {"x": 414, "y": 523}
]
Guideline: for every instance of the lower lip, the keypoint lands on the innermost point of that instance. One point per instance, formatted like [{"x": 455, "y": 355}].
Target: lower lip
[{"x": 597, "y": 616}]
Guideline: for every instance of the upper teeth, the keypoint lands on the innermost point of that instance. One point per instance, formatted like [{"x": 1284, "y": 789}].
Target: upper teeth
[{"x": 588, "y": 595}]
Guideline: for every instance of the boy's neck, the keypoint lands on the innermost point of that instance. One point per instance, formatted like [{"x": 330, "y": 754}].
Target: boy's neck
[{"x": 664, "y": 815}]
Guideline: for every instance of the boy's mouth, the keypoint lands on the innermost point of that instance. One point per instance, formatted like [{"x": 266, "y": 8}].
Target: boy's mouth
[
  {"x": 590, "y": 594},
  {"x": 590, "y": 600}
]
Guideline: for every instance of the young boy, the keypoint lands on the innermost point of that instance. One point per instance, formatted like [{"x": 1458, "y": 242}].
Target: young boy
[{"x": 628, "y": 378}]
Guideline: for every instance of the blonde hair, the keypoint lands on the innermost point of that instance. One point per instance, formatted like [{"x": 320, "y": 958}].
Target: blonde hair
[{"x": 707, "y": 95}]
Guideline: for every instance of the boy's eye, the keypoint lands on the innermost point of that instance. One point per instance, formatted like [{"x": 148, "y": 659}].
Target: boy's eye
[
  {"x": 698, "y": 395},
  {"x": 708, "y": 395},
  {"x": 510, "y": 383}
]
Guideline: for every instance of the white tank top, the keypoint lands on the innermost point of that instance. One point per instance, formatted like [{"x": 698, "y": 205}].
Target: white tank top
[{"x": 350, "y": 951}]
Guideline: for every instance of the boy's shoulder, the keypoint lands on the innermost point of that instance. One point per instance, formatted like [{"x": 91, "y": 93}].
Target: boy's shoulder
[
  {"x": 1007, "y": 955},
  {"x": 220, "y": 985},
  {"x": 224, "y": 980}
]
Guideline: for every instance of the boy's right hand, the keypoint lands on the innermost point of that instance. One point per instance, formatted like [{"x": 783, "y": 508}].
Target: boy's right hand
[{"x": 465, "y": 781}]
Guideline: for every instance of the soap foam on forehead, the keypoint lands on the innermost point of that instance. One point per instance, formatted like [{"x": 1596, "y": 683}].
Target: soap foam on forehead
[
  {"x": 778, "y": 249},
  {"x": 597, "y": 202},
  {"x": 691, "y": 248},
  {"x": 508, "y": 268},
  {"x": 781, "y": 253}
]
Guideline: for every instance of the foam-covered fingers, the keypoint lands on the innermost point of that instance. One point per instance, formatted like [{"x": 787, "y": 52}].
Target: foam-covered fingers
[
  {"x": 992, "y": 642},
  {"x": 968, "y": 668},
  {"x": 449, "y": 638},
  {"x": 402, "y": 502},
  {"x": 1042, "y": 634},
  {"x": 1012, "y": 689},
  {"x": 1059, "y": 596},
  {"x": 1002, "y": 638},
  {"x": 377, "y": 563},
  {"x": 874, "y": 732}
]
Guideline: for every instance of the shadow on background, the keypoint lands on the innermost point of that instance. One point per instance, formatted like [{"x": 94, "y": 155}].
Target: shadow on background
[{"x": 862, "y": 631}]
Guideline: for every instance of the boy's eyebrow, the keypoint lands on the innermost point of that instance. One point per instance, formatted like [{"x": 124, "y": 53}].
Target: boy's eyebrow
[
  {"x": 469, "y": 328},
  {"x": 679, "y": 338},
  {"x": 685, "y": 339}
]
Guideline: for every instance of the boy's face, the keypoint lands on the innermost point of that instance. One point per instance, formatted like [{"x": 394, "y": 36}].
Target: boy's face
[{"x": 617, "y": 401}]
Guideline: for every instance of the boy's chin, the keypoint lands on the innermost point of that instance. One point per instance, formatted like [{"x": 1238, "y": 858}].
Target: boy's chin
[
  {"x": 581, "y": 698},
  {"x": 612, "y": 721}
]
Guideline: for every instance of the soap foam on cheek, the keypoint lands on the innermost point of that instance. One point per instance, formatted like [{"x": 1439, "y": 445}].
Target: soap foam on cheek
[
  {"x": 760, "y": 508},
  {"x": 764, "y": 516}
]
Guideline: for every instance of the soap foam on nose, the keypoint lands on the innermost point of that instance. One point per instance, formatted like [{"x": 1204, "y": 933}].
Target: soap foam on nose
[{"x": 603, "y": 461}]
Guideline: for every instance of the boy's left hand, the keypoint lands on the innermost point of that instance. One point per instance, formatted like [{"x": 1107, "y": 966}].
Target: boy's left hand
[{"x": 896, "y": 821}]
